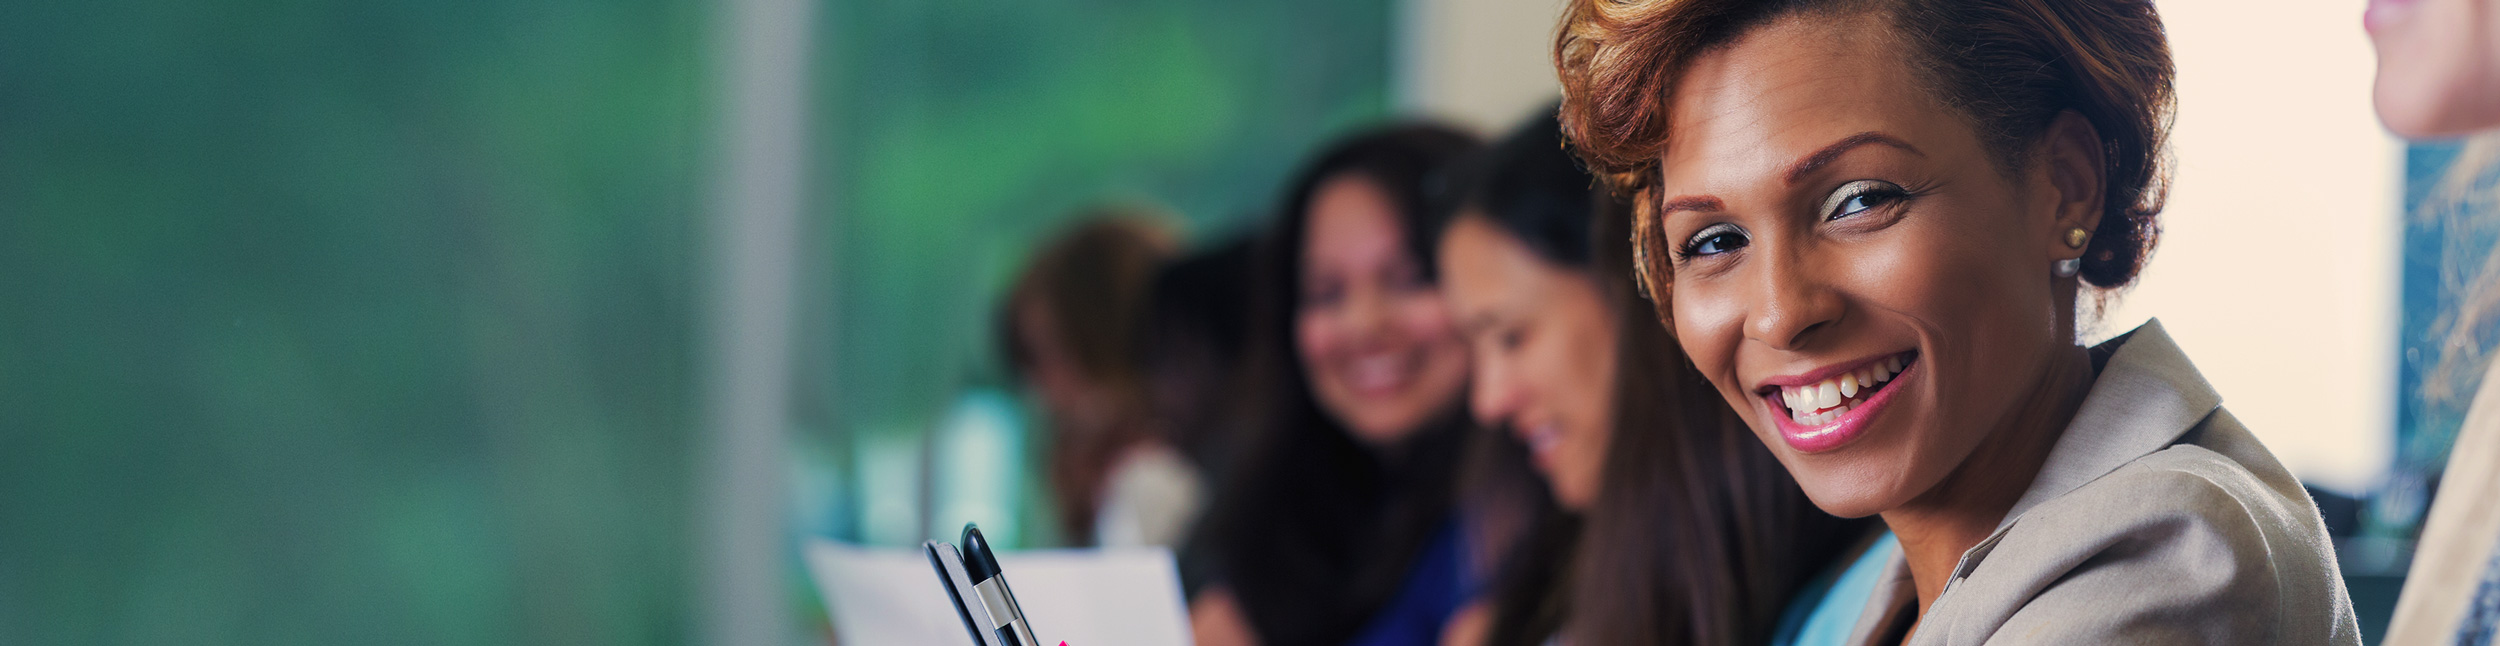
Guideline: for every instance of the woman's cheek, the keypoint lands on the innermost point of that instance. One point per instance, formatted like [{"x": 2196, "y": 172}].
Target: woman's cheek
[
  {"x": 1314, "y": 336},
  {"x": 1708, "y": 326}
]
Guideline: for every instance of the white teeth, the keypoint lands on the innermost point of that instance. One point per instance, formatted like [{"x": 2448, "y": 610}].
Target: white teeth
[
  {"x": 1837, "y": 395},
  {"x": 1541, "y": 437},
  {"x": 1376, "y": 372}
]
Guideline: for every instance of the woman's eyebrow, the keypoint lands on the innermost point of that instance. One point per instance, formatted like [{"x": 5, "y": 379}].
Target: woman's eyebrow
[
  {"x": 1796, "y": 171},
  {"x": 1690, "y": 203},
  {"x": 1819, "y": 158}
]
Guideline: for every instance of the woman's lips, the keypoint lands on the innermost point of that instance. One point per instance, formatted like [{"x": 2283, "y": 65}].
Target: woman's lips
[
  {"x": 1822, "y": 415},
  {"x": 1541, "y": 440}
]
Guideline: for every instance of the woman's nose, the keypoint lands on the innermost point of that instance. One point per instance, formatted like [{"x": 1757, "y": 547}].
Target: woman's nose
[
  {"x": 1792, "y": 305},
  {"x": 1492, "y": 396},
  {"x": 1366, "y": 315}
]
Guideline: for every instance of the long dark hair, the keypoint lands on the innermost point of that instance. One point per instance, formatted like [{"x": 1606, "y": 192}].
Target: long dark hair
[
  {"x": 1316, "y": 531},
  {"x": 1697, "y": 535},
  {"x": 1197, "y": 335}
]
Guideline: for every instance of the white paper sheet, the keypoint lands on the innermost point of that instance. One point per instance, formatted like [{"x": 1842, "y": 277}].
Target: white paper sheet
[{"x": 890, "y": 596}]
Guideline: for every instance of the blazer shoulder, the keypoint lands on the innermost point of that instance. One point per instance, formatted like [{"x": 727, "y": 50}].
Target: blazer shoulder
[
  {"x": 2186, "y": 541},
  {"x": 2174, "y": 493}
]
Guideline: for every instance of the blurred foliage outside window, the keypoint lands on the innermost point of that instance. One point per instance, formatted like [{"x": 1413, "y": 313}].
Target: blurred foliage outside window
[
  {"x": 372, "y": 322},
  {"x": 346, "y": 322}
]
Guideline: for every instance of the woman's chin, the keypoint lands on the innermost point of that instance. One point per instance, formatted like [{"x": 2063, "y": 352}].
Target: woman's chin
[
  {"x": 1848, "y": 484},
  {"x": 1576, "y": 502},
  {"x": 1381, "y": 430},
  {"x": 1845, "y": 501}
]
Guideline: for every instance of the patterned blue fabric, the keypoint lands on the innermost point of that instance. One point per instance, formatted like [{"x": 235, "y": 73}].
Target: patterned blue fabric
[
  {"x": 2482, "y": 615},
  {"x": 1827, "y": 609}
]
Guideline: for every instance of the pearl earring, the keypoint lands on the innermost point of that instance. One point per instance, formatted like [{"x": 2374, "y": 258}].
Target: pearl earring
[{"x": 2076, "y": 237}]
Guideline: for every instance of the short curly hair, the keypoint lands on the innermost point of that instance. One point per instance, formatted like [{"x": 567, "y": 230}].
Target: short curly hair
[{"x": 2010, "y": 67}]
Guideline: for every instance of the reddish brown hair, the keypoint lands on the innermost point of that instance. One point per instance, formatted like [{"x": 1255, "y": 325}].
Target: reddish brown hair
[
  {"x": 1091, "y": 283},
  {"x": 2008, "y": 66}
]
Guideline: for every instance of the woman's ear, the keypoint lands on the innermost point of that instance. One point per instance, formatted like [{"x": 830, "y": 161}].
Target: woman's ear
[{"x": 2078, "y": 176}]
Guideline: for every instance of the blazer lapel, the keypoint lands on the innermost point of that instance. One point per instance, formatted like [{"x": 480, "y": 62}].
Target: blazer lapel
[{"x": 2144, "y": 400}]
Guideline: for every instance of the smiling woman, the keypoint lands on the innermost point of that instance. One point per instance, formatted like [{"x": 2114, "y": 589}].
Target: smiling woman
[
  {"x": 1870, "y": 224},
  {"x": 1339, "y": 527}
]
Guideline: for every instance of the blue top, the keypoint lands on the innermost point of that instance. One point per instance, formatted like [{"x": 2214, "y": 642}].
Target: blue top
[
  {"x": 1435, "y": 588},
  {"x": 1827, "y": 609}
]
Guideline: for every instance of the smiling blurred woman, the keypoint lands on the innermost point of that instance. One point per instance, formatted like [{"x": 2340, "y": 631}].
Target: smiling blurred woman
[
  {"x": 1340, "y": 529},
  {"x": 1868, "y": 223}
]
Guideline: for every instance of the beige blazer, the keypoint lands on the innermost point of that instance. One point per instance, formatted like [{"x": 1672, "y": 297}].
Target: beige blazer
[
  {"x": 2458, "y": 538},
  {"x": 2157, "y": 519}
]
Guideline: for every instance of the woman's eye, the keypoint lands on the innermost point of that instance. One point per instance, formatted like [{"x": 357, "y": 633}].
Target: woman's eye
[
  {"x": 1859, "y": 197},
  {"x": 1714, "y": 240}
]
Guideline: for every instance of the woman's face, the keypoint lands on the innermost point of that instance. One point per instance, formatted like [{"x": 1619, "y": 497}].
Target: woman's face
[
  {"x": 1850, "y": 267},
  {"x": 1373, "y": 333},
  {"x": 2438, "y": 65},
  {"x": 1543, "y": 339}
]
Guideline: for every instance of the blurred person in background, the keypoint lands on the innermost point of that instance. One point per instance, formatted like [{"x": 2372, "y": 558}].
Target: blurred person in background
[
  {"x": 1339, "y": 528},
  {"x": 1869, "y": 225},
  {"x": 1197, "y": 334},
  {"x": 1072, "y": 335},
  {"x": 2439, "y": 77},
  {"x": 1570, "y": 361}
]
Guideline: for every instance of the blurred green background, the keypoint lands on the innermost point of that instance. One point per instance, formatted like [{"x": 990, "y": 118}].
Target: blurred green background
[{"x": 373, "y": 322}]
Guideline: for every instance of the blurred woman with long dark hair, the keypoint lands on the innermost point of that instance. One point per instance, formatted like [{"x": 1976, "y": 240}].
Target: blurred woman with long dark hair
[{"x": 1340, "y": 528}]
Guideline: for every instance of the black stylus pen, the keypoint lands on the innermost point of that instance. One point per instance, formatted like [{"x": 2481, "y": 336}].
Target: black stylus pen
[{"x": 991, "y": 585}]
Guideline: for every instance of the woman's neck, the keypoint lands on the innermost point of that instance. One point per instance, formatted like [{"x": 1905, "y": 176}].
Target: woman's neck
[{"x": 1962, "y": 510}]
